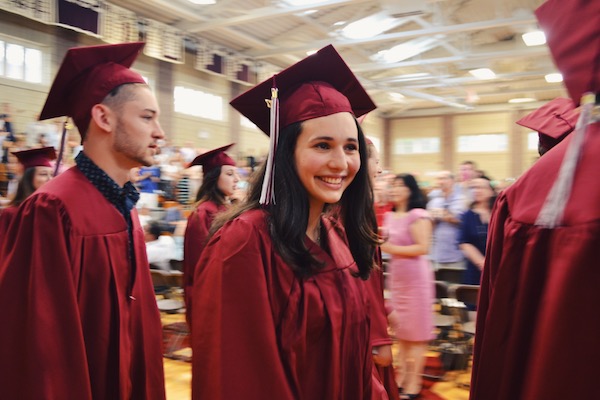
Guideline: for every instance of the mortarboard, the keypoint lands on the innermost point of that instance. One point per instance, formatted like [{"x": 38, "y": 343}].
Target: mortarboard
[
  {"x": 86, "y": 76},
  {"x": 553, "y": 121},
  {"x": 39, "y": 157},
  {"x": 318, "y": 85},
  {"x": 213, "y": 159},
  {"x": 572, "y": 29}
]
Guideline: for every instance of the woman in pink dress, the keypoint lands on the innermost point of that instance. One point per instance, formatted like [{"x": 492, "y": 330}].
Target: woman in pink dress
[{"x": 409, "y": 231}]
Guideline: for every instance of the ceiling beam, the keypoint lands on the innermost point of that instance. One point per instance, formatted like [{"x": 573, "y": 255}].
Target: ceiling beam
[
  {"x": 442, "y": 30},
  {"x": 264, "y": 13}
]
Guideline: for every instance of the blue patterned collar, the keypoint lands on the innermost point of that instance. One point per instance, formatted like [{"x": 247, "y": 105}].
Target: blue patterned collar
[{"x": 124, "y": 198}]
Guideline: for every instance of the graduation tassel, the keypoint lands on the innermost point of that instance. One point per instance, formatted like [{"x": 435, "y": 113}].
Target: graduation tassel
[
  {"x": 61, "y": 148},
  {"x": 267, "y": 195},
  {"x": 554, "y": 206}
]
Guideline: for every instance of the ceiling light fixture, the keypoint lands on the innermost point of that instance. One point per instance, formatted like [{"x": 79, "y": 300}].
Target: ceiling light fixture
[
  {"x": 303, "y": 2},
  {"x": 397, "y": 97},
  {"x": 554, "y": 78},
  {"x": 518, "y": 100},
  {"x": 534, "y": 38},
  {"x": 368, "y": 27},
  {"x": 408, "y": 49},
  {"x": 483, "y": 73}
]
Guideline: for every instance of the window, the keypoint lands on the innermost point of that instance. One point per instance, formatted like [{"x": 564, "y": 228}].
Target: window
[
  {"x": 483, "y": 143},
  {"x": 245, "y": 122},
  {"x": 417, "y": 146},
  {"x": 21, "y": 62},
  {"x": 198, "y": 103},
  {"x": 532, "y": 141}
]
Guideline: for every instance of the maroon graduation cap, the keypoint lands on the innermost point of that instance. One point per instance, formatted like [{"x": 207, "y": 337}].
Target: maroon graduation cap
[
  {"x": 319, "y": 85},
  {"x": 86, "y": 76},
  {"x": 39, "y": 157},
  {"x": 553, "y": 121},
  {"x": 572, "y": 29},
  {"x": 213, "y": 159}
]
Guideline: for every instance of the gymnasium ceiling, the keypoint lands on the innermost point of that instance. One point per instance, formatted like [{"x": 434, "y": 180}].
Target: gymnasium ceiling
[{"x": 448, "y": 38}]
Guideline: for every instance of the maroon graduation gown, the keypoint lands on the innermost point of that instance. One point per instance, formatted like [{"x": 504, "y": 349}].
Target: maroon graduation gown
[
  {"x": 537, "y": 323},
  {"x": 260, "y": 332},
  {"x": 194, "y": 241},
  {"x": 379, "y": 327},
  {"x": 75, "y": 323},
  {"x": 6, "y": 216}
]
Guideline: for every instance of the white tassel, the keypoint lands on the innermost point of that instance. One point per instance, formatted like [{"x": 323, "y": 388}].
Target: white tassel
[
  {"x": 553, "y": 209},
  {"x": 267, "y": 195}
]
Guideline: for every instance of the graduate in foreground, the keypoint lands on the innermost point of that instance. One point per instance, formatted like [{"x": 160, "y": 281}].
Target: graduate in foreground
[
  {"x": 79, "y": 314},
  {"x": 537, "y": 325},
  {"x": 279, "y": 304}
]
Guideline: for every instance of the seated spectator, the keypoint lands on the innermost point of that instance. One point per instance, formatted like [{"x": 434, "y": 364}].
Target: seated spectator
[{"x": 161, "y": 249}]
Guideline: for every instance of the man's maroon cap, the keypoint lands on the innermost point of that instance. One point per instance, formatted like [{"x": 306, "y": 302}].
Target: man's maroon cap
[{"x": 86, "y": 76}]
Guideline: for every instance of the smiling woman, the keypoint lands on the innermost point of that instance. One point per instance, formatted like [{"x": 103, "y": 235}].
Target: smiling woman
[{"x": 279, "y": 306}]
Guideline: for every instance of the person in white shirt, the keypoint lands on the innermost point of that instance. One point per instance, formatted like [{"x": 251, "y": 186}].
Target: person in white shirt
[{"x": 161, "y": 249}]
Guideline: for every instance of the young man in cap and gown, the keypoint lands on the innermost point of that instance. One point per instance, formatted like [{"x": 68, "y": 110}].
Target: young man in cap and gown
[
  {"x": 219, "y": 181},
  {"x": 537, "y": 324},
  {"x": 80, "y": 316}
]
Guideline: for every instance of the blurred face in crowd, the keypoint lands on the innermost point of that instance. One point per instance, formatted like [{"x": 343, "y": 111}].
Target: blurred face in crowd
[
  {"x": 399, "y": 192},
  {"x": 445, "y": 181},
  {"x": 41, "y": 176},
  {"x": 327, "y": 157},
  {"x": 228, "y": 180},
  {"x": 466, "y": 172},
  {"x": 374, "y": 163},
  {"x": 482, "y": 190}
]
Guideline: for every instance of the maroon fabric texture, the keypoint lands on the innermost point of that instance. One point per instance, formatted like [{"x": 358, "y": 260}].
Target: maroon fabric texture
[
  {"x": 536, "y": 326},
  {"x": 194, "y": 241},
  {"x": 79, "y": 323},
  {"x": 260, "y": 332},
  {"x": 7, "y": 215},
  {"x": 572, "y": 31},
  {"x": 379, "y": 326}
]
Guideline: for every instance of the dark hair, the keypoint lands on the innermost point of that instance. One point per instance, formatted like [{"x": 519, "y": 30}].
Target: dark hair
[
  {"x": 288, "y": 217},
  {"x": 116, "y": 99},
  {"x": 416, "y": 198},
  {"x": 25, "y": 187},
  {"x": 209, "y": 190},
  {"x": 154, "y": 228}
]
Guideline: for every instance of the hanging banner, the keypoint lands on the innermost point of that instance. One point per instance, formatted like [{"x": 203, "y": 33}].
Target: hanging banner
[{"x": 79, "y": 14}]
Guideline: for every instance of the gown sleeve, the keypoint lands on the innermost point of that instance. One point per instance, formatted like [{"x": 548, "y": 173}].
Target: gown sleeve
[
  {"x": 234, "y": 333},
  {"x": 196, "y": 234},
  {"x": 42, "y": 353}
]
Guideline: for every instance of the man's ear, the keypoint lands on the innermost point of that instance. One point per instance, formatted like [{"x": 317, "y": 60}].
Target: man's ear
[{"x": 103, "y": 117}]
